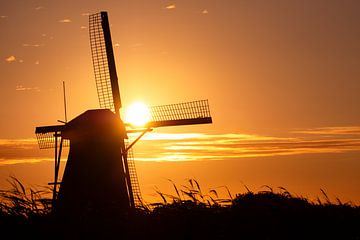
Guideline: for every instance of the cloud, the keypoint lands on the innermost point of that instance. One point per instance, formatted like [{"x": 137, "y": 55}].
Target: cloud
[
  {"x": 350, "y": 130},
  {"x": 22, "y": 88},
  {"x": 3, "y": 16},
  {"x": 37, "y": 62},
  {"x": 39, "y": 8},
  {"x": 15, "y": 151},
  {"x": 172, "y": 6},
  {"x": 83, "y": 27},
  {"x": 4, "y": 162},
  {"x": 213, "y": 137},
  {"x": 10, "y": 59},
  {"x": 18, "y": 142},
  {"x": 205, "y": 11},
  {"x": 85, "y": 14},
  {"x": 65, "y": 21},
  {"x": 18, "y": 148},
  {"x": 31, "y": 45},
  {"x": 198, "y": 146},
  {"x": 136, "y": 45},
  {"x": 195, "y": 146}
]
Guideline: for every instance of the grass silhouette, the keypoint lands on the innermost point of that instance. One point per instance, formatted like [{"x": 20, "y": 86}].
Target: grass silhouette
[{"x": 189, "y": 213}]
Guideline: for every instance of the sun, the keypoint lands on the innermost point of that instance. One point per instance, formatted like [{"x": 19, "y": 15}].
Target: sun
[{"x": 137, "y": 114}]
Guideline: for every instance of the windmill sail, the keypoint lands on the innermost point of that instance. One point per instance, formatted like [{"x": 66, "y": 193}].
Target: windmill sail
[
  {"x": 46, "y": 136},
  {"x": 188, "y": 113},
  {"x": 135, "y": 186},
  {"x": 104, "y": 62},
  {"x": 107, "y": 81}
]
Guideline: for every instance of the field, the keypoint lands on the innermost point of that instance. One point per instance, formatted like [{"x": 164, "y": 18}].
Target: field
[{"x": 187, "y": 214}]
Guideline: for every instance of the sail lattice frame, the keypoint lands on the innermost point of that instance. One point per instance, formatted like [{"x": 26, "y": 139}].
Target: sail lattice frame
[
  {"x": 100, "y": 62},
  {"x": 138, "y": 201},
  {"x": 195, "y": 112},
  {"x": 46, "y": 136}
]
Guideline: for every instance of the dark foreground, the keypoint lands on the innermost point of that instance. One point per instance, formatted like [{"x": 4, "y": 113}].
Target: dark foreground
[{"x": 262, "y": 215}]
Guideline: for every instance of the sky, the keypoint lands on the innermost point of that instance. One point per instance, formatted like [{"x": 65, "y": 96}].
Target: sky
[{"x": 281, "y": 77}]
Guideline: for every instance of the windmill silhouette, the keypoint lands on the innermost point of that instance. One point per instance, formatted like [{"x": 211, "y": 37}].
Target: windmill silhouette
[{"x": 100, "y": 170}]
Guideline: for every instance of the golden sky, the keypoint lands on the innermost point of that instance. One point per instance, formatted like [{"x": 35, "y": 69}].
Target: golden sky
[{"x": 282, "y": 79}]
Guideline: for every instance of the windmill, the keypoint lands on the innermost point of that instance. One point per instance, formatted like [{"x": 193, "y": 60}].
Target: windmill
[{"x": 100, "y": 169}]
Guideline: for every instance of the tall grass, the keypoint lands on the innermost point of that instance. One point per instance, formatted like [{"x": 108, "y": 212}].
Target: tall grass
[
  {"x": 192, "y": 192},
  {"x": 24, "y": 202},
  {"x": 190, "y": 212}
]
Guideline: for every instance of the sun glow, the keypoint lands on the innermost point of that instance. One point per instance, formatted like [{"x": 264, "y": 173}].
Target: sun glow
[{"x": 137, "y": 114}]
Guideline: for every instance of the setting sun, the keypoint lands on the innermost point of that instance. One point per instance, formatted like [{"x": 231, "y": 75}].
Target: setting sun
[{"x": 137, "y": 114}]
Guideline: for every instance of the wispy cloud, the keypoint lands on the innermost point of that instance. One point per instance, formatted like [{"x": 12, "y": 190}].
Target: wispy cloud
[
  {"x": 15, "y": 151},
  {"x": 171, "y": 6},
  {"x": 169, "y": 136},
  {"x": 3, "y": 16},
  {"x": 31, "y": 45},
  {"x": 213, "y": 137},
  {"x": 65, "y": 21},
  {"x": 22, "y": 88},
  {"x": 4, "y": 162},
  {"x": 44, "y": 35},
  {"x": 85, "y": 14},
  {"x": 198, "y": 146},
  {"x": 205, "y": 11},
  {"x": 10, "y": 59},
  {"x": 18, "y": 149},
  {"x": 137, "y": 45},
  {"x": 83, "y": 27},
  {"x": 18, "y": 142},
  {"x": 351, "y": 130},
  {"x": 190, "y": 147},
  {"x": 39, "y": 8}
]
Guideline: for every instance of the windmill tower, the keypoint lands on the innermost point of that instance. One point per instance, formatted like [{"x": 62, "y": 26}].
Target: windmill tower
[{"x": 100, "y": 170}]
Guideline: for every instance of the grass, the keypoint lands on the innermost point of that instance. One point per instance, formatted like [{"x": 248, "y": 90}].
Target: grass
[
  {"x": 22, "y": 202},
  {"x": 188, "y": 213}
]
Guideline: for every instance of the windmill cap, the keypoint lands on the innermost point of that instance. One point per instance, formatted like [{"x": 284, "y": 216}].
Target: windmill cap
[{"x": 94, "y": 124}]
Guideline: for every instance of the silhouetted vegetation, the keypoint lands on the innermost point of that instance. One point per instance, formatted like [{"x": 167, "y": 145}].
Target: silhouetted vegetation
[{"x": 189, "y": 213}]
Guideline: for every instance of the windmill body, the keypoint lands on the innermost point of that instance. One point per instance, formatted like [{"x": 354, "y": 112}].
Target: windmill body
[
  {"x": 94, "y": 177},
  {"x": 100, "y": 172}
]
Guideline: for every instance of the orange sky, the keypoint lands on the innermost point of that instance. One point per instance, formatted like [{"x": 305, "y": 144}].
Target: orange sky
[{"x": 282, "y": 79}]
